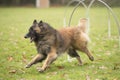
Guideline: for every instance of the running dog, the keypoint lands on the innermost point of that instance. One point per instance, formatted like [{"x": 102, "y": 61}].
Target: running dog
[{"x": 50, "y": 43}]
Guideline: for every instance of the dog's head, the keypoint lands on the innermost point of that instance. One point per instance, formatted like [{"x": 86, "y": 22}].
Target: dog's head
[{"x": 36, "y": 29}]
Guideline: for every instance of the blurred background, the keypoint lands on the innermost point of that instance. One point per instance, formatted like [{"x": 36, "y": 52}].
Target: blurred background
[
  {"x": 48, "y": 3},
  {"x": 16, "y": 17}
]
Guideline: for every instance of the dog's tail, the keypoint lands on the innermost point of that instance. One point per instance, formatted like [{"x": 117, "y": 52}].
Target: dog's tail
[{"x": 83, "y": 25}]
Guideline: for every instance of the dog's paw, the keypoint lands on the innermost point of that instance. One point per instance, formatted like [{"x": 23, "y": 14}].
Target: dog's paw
[
  {"x": 27, "y": 66},
  {"x": 41, "y": 70},
  {"x": 91, "y": 58},
  {"x": 80, "y": 64}
]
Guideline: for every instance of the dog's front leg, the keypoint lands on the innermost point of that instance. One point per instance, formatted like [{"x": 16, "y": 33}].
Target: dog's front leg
[
  {"x": 50, "y": 58},
  {"x": 36, "y": 59}
]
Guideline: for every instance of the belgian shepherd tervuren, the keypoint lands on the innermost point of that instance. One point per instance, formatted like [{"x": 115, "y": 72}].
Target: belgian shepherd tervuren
[{"x": 50, "y": 43}]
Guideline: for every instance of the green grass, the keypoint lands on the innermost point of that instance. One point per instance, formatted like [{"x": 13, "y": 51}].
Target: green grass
[{"x": 16, "y": 52}]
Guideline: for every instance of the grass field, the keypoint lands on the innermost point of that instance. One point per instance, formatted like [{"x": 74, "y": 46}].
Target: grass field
[{"x": 16, "y": 52}]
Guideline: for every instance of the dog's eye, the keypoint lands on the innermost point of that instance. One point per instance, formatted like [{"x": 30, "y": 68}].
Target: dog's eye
[{"x": 31, "y": 28}]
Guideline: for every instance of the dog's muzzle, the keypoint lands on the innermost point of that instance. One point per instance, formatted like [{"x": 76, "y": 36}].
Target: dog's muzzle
[
  {"x": 32, "y": 38},
  {"x": 26, "y": 36}
]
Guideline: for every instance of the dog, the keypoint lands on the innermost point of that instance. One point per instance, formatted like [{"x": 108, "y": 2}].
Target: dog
[{"x": 50, "y": 43}]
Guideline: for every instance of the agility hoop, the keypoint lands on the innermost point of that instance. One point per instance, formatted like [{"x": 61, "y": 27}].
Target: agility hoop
[{"x": 110, "y": 12}]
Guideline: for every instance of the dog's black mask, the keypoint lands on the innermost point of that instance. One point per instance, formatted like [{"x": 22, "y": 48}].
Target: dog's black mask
[{"x": 31, "y": 34}]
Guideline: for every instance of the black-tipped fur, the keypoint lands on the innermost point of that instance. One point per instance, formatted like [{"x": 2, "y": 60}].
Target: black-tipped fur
[{"x": 50, "y": 43}]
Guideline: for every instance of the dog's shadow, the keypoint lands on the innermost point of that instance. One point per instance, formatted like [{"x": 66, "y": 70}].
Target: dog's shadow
[{"x": 58, "y": 68}]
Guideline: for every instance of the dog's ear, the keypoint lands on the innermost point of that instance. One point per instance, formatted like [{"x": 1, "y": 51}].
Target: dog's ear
[
  {"x": 35, "y": 21},
  {"x": 41, "y": 21}
]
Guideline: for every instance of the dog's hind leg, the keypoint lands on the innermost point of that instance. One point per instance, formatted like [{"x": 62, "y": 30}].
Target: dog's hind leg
[
  {"x": 73, "y": 53},
  {"x": 52, "y": 56},
  {"x": 87, "y": 51},
  {"x": 36, "y": 59}
]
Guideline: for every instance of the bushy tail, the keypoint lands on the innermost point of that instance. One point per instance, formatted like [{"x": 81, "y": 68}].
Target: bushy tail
[{"x": 82, "y": 24}]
